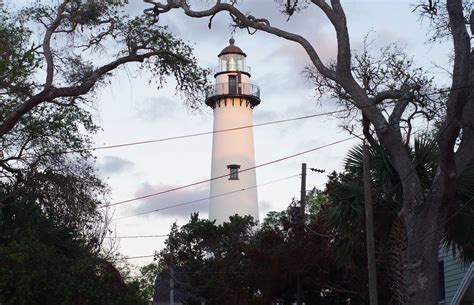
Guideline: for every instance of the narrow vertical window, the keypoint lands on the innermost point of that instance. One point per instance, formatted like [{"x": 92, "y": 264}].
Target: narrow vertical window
[
  {"x": 232, "y": 84},
  {"x": 234, "y": 171},
  {"x": 442, "y": 292},
  {"x": 232, "y": 64}
]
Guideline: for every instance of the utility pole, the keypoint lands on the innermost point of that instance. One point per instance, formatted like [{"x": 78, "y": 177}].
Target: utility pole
[
  {"x": 169, "y": 266},
  {"x": 299, "y": 284},
  {"x": 369, "y": 228},
  {"x": 303, "y": 192},
  {"x": 171, "y": 285}
]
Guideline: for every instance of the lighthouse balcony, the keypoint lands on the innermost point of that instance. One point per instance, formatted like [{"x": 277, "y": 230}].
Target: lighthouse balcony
[
  {"x": 231, "y": 67},
  {"x": 247, "y": 91}
]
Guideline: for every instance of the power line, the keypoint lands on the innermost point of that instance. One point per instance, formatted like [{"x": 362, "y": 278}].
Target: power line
[
  {"x": 226, "y": 175},
  {"x": 264, "y": 164},
  {"x": 319, "y": 234},
  {"x": 137, "y": 236},
  {"x": 291, "y": 156},
  {"x": 223, "y": 272},
  {"x": 261, "y": 165},
  {"x": 324, "y": 235},
  {"x": 413, "y": 169},
  {"x": 439, "y": 228},
  {"x": 444, "y": 223},
  {"x": 205, "y": 132},
  {"x": 429, "y": 192},
  {"x": 206, "y": 198},
  {"x": 275, "y": 161},
  {"x": 141, "y": 256},
  {"x": 331, "y": 236},
  {"x": 244, "y": 127}
]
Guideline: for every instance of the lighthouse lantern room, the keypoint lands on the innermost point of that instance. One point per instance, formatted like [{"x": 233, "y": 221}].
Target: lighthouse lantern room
[{"x": 232, "y": 99}]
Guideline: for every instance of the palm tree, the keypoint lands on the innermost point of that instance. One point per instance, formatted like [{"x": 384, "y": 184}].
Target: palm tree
[{"x": 345, "y": 208}]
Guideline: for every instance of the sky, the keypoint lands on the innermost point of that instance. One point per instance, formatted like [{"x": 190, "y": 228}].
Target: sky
[{"x": 130, "y": 109}]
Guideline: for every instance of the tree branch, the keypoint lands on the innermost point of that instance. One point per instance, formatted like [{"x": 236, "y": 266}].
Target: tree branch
[
  {"x": 16, "y": 171},
  {"x": 51, "y": 93},
  {"x": 48, "y": 55},
  {"x": 391, "y": 94},
  {"x": 398, "y": 110},
  {"x": 389, "y": 137},
  {"x": 457, "y": 97},
  {"x": 252, "y": 22},
  {"x": 464, "y": 155},
  {"x": 366, "y": 130}
]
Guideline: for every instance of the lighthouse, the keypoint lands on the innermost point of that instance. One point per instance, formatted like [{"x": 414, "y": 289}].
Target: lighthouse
[{"x": 232, "y": 99}]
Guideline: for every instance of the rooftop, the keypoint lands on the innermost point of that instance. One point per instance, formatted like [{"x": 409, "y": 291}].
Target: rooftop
[{"x": 232, "y": 49}]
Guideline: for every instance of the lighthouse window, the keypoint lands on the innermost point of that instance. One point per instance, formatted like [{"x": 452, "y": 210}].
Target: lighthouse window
[
  {"x": 232, "y": 84},
  {"x": 232, "y": 64},
  {"x": 234, "y": 171}
]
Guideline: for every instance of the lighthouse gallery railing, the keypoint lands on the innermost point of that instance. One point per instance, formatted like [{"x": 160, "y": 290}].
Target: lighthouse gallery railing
[
  {"x": 238, "y": 89},
  {"x": 232, "y": 67}
]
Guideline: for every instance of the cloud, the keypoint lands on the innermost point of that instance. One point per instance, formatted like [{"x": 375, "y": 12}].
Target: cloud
[
  {"x": 184, "y": 201},
  {"x": 181, "y": 203},
  {"x": 261, "y": 116},
  {"x": 135, "y": 8},
  {"x": 264, "y": 207},
  {"x": 294, "y": 53},
  {"x": 156, "y": 108},
  {"x": 114, "y": 165},
  {"x": 307, "y": 21}
]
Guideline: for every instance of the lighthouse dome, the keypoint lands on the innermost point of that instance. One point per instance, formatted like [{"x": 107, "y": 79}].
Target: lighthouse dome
[{"x": 232, "y": 49}]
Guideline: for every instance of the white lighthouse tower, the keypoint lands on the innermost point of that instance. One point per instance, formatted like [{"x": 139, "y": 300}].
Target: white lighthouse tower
[{"x": 233, "y": 98}]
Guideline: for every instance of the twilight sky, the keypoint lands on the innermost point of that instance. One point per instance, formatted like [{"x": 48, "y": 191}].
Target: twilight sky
[{"x": 132, "y": 110}]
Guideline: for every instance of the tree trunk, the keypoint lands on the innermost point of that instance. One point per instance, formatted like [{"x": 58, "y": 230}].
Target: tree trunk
[
  {"x": 421, "y": 257},
  {"x": 424, "y": 217},
  {"x": 421, "y": 270}
]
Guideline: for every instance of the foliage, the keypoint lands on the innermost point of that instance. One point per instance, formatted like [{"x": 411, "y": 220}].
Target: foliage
[
  {"x": 200, "y": 248},
  {"x": 329, "y": 251},
  {"x": 18, "y": 59},
  {"x": 345, "y": 211},
  {"x": 459, "y": 226},
  {"x": 52, "y": 216},
  {"x": 44, "y": 262},
  {"x": 236, "y": 262},
  {"x": 45, "y": 151},
  {"x": 380, "y": 72},
  {"x": 146, "y": 280},
  {"x": 390, "y": 92},
  {"x": 345, "y": 191},
  {"x": 69, "y": 64},
  {"x": 65, "y": 184}
]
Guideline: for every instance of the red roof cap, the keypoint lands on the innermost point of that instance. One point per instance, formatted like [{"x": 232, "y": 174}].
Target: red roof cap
[{"x": 232, "y": 49}]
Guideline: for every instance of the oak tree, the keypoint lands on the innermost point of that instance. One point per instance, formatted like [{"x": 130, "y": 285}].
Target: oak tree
[{"x": 424, "y": 210}]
